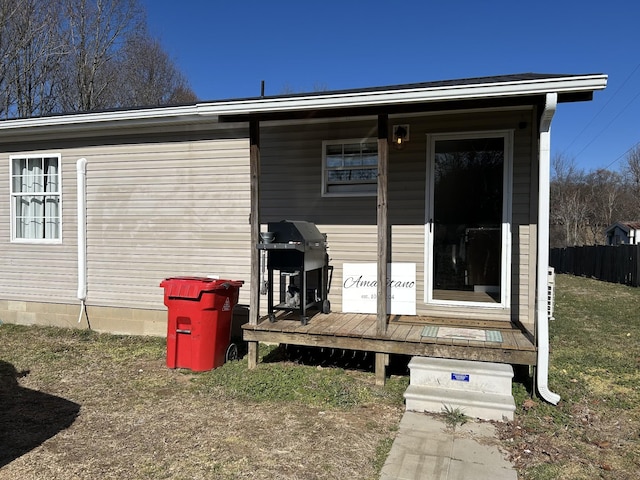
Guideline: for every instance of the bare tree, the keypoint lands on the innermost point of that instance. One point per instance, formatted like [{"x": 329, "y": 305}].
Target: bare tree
[
  {"x": 8, "y": 10},
  {"x": 82, "y": 55},
  {"x": 569, "y": 204},
  {"x": 632, "y": 166},
  {"x": 148, "y": 77},
  {"x": 288, "y": 89},
  {"x": 583, "y": 204},
  {"x": 631, "y": 172},
  {"x": 604, "y": 195},
  {"x": 37, "y": 49},
  {"x": 97, "y": 29}
]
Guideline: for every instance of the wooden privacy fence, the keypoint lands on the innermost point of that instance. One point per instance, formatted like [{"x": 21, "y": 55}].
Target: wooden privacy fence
[{"x": 616, "y": 264}]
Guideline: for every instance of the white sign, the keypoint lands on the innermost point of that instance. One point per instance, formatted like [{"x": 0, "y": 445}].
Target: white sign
[{"x": 360, "y": 287}]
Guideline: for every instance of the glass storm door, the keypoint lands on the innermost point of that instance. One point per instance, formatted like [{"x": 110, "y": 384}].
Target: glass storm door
[{"x": 467, "y": 220}]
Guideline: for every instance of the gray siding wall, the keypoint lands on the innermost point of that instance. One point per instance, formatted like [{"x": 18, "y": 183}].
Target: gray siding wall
[
  {"x": 291, "y": 189},
  {"x": 154, "y": 210}
]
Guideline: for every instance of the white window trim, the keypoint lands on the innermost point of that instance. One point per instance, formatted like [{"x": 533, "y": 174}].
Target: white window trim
[
  {"x": 324, "y": 186},
  {"x": 507, "y": 205},
  {"x": 12, "y": 219}
]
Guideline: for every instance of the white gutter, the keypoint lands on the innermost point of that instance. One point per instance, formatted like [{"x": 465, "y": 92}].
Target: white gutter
[
  {"x": 203, "y": 112},
  {"x": 81, "y": 167},
  {"x": 542, "y": 332},
  {"x": 587, "y": 83}
]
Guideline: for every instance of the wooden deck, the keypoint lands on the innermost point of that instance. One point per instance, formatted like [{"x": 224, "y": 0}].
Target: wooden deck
[{"x": 404, "y": 336}]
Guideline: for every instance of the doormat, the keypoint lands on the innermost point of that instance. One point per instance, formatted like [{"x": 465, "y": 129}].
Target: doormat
[{"x": 462, "y": 334}]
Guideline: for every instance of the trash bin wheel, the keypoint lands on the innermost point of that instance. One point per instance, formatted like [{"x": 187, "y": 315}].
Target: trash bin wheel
[
  {"x": 304, "y": 320},
  {"x": 326, "y": 306},
  {"x": 272, "y": 317},
  {"x": 232, "y": 353}
]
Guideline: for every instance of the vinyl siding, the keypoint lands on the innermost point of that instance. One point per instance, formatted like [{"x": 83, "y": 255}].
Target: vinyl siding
[
  {"x": 154, "y": 210},
  {"x": 291, "y": 180},
  {"x": 180, "y": 205},
  {"x": 32, "y": 271}
]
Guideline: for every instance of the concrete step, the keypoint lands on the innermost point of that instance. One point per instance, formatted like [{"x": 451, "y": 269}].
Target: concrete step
[
  {"x": 479, "y": 389},
  {"x": 486, "y": 406},
  {"x": 462, "y": 374}
]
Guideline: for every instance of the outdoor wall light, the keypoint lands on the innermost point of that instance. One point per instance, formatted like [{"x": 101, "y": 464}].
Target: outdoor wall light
[{"x": 400, "y": 135}]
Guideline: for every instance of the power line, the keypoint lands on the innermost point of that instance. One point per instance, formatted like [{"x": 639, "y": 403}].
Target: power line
[
  {"x": 600, "y": 111},
  {"x": 593, "y": 139},
  {"x": 621, "y": 156}
]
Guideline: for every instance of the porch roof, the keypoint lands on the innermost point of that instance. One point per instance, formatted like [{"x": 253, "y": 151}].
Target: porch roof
[{"x": 526, "y": 88}]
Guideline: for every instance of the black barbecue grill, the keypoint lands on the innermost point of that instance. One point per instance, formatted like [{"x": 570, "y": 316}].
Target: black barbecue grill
[{"x": 298, "y": 251}]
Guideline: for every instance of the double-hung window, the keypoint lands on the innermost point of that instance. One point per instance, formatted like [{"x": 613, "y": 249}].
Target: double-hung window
[
  {"x": 36, "y": 198},
  {"x": 350, "y": 167}
]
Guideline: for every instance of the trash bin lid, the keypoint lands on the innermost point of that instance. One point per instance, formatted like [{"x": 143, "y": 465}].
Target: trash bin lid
[{"x": 192, "y": 287}]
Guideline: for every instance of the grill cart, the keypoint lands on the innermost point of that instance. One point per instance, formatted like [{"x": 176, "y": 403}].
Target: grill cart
[{"x": 298, "y": 251}]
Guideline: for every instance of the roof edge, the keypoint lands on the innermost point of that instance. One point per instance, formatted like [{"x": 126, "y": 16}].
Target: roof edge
[{"x": 469, "y": 89}]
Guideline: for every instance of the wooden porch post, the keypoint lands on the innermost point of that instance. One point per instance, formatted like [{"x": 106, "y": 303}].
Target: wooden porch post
[
  {"x": 254, "y": 220},
  {"x": 382, "y": 359},
  {"x": 383, "y": 241}
]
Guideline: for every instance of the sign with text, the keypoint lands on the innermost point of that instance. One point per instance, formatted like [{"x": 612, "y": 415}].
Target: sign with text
[{"x": 360, "y": 288}]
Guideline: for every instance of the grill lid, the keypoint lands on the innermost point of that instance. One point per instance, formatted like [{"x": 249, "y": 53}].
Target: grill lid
[{"x": 297, "y": 231}]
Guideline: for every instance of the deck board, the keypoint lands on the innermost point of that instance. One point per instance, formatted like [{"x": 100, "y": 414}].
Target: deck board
[
  {"x": 508, "y": 340},
  {"x": 414, "y": 334},
  {"x": 348, "y": 323},
  {"x": 333, "y": 327},
  {"x": 320, "y": 324},
  {"x": 400, "y": 333},
  {"x": 522, "y": 341},
  {"x": 372, "y": 331},
  {"x": 457, "y": 322},
  {"x": 359, "y": 332},
  {"x": 391, "y": 328}
]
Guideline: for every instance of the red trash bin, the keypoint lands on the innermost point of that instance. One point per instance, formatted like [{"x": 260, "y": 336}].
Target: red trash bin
[{"x": 200, "y": 310}]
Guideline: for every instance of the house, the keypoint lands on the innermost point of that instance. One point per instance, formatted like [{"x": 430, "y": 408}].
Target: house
[
  {"x": 627, "y": 233},
  {"x": 445, "y": 182}
]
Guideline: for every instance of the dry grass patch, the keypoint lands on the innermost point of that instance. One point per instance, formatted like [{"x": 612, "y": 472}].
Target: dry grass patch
[{"x": 136, "y": 419}]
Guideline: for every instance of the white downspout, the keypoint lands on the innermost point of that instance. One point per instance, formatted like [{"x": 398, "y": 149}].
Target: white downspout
[
  {"x": 544, "y": 178},
  {"x": 81, "y": 167}
]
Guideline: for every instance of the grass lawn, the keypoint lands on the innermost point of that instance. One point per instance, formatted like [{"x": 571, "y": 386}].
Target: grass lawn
[
  {"x": 594, "y": 432},
  {"x": 81, "y": 405}
]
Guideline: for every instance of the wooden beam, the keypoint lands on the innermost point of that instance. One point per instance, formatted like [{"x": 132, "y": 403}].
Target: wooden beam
[
  {"x": 382, "y": 361},
  {"x": 254, "y": 220},
  {"x": 382, "y": 215},
  {"x": 438, "y": 350},
  {"x": 413, "y": 108}
]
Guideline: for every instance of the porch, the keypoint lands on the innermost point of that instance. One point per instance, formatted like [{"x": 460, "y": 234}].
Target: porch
[{"x": 405, "y": 335}]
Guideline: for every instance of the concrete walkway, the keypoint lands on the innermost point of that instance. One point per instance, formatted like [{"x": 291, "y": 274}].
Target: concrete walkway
[{"x": 425, "y": 448}]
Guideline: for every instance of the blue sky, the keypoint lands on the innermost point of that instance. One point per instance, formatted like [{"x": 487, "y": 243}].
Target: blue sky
[{"x": 226, "y": 48}]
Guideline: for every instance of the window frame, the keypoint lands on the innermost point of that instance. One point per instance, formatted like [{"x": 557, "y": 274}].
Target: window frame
[
  {"x": 13, "y": 195},
  {"x": 326, "y": 185}
]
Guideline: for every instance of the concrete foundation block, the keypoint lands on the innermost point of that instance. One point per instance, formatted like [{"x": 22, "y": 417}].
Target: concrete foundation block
[{"x": 479, "y": 389}]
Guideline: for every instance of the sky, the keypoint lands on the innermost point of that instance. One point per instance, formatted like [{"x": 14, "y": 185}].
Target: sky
[{"x": 226, "y": 48}]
